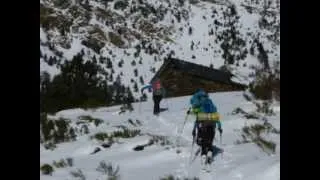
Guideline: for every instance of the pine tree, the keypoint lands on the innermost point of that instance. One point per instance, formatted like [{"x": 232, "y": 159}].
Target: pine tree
[
  {"x": 141, "y": 80},
  {"x": 129, "y": 98},
  {"x": 211, "y": 32},
  {"x": 102, "y": 60},
  {"x": 136, "y": 72},
  {"x": 133, "y": 63},
  {"x": 192, "y": 45},
  {"x": 73, "y": 135},
  {"x": 77, "y": 85},
  {"x": 50, "y": 61},
  {"x": 120, "y": 63},
  {"x": 263, "y": 56},
  {"x": 45, "y": 58},
  {"x": 190, "y": 30},
  {"x": 94, "y": 59},
  {"x": 44, "y": 87},
  {"x": 109, "y": 63},
  {"x": 135, "y": 87},
  {"x": 54, "y": 60},
  {"x": 111, "y": 77},
  {"x": 252, "y": 50}
]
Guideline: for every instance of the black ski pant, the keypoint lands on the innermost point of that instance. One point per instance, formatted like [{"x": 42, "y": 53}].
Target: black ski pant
[
  {"x": 156, "y": 100},
  {"x": 206, "y": 147},
  {"x": 205, "y": 138}
]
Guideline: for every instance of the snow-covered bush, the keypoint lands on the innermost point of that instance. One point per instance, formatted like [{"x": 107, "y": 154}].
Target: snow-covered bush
[
  {"x": 78, "y": 174},
  {"x": 109, "y": 170},
  {"x": 126, "y": 133},
  {"x": 121, "y": 4},
  {"x": 131, "y": 122},
  {"x": 253, "y": 134},
  {"x": 62, "y": 3},
  {"x": 265, "y": 108},
  {"x": 265, "y": 145},
  {"x": 70, "y": 162},
  {"x": 90, "y": 119},
  {"x": 93, "y": 44},
  {"x": 55, "y": 131},
  {"x": 138, "y": 122},
  {"x": 60, "y": 164},
  {"x": 47, "y": 169},
  {"x": 247, "y": 115},
  {"x": 49, "y": 145},
  {"x": 101, "y": 136},
  {"x": 116, "y": 39}
]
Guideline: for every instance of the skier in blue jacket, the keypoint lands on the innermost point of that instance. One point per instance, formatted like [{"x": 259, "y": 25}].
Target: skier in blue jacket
[{"x": 207, "y": 117}]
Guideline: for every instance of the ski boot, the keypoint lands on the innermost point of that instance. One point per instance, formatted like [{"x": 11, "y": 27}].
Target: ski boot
[
  {"x": 209, "y": 157},
  {"x": 208, "y": 161},
  {"x": 203, "y": 162}
]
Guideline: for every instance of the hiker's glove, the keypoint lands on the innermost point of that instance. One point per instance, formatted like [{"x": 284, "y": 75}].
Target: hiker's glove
[{"x": 220, "y": 130}]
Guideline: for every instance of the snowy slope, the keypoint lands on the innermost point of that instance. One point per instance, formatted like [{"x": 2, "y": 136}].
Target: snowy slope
[
  {"x": 239, "y": 161},
  {"x": 170, "y": 36}
]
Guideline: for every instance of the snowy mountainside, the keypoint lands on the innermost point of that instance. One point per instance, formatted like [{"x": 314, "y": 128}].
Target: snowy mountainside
[
  {"x": 130, "y": 38},
  {"x": 244, "y": 160}
]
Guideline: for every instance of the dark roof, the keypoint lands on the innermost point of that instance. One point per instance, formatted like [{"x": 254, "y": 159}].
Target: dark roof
[{"x": 195, "y": 69}]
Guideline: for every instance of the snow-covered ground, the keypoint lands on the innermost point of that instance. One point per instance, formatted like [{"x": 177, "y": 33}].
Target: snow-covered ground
[{"x": 239, "y": 161}]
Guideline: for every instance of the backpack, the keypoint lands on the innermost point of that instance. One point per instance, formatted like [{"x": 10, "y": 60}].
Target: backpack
[
  {"x": 157, "y": 88},
  {"x": 202, "y": 101},
  {"x": 196, "y": 99},
  {"x": 207, "y": 106}
]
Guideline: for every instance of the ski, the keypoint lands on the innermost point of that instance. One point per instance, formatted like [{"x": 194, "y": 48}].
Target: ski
[
  {"x": 206, "y": 162},
  {"x": 208, "y": 167}
]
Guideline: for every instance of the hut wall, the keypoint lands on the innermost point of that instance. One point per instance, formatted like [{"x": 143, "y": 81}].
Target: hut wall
[{"x": 178, "y": 83}]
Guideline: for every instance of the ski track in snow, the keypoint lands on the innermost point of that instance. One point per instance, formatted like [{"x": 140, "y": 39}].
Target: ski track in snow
[{"x": 245, "y": 161}]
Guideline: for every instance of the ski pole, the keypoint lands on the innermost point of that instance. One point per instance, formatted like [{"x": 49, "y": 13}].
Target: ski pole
[
  {"x": 191, "y": 150},
  {"x": 185, "y": 120},
  {"x": 181, "y": 130},
  {"x": 195, "y": 155},
  {"x": 221, "y": 139},
  {"x": 221, "y": 145}
]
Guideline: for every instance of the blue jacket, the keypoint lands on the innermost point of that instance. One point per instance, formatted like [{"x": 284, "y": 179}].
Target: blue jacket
[
  {"x": 195, "y": 102},
  {"x": 199, "y": 99},
  {"x": 150, "y": 89}
]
